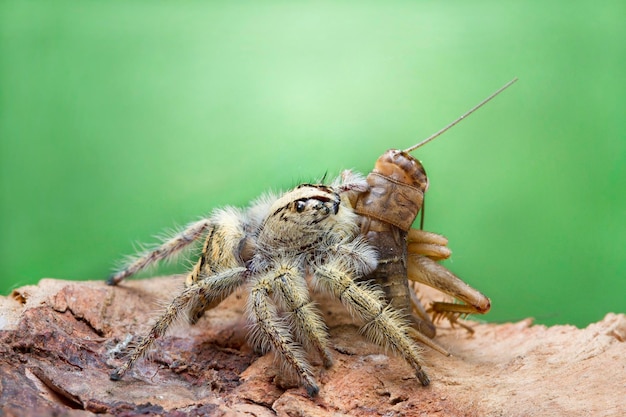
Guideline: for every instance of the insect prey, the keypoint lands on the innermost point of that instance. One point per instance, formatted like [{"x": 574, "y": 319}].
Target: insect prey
[
  {"x": 352, "y": 239},
  {"x": 387, "y": 210}
]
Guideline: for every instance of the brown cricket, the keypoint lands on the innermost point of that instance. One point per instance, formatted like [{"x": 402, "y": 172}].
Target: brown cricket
[{"x": 387, "y": 210}]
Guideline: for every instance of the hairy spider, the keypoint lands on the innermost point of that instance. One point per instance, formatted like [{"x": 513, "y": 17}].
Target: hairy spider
[{"x": 272, "y": 247}]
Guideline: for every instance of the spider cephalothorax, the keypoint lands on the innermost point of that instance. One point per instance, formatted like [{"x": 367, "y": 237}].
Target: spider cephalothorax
[{"x": 272, "y": 248}]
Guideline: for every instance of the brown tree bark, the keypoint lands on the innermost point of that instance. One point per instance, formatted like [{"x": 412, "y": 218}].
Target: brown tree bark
[{"x": 59, "y": 340}]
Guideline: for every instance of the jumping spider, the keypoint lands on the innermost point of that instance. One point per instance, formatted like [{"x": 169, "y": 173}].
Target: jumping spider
[{"x": 272, "y": 247}]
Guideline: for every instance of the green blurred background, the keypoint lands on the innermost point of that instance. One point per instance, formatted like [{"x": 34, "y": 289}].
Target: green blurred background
[{"x": 121, "y": 119}]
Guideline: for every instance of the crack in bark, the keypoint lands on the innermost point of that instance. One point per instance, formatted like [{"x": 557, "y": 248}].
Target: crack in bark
[{"x": 58, "y": 393}]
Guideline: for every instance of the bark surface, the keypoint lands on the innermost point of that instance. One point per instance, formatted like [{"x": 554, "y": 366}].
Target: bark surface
[{"x": 59, "y": 341}]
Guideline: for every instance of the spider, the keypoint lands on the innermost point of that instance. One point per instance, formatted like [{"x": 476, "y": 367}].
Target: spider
[{"x": 271, "y": 248}]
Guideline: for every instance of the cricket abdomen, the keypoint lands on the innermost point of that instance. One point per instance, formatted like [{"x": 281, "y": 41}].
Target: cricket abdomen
[{"x": 391, "y": 272}]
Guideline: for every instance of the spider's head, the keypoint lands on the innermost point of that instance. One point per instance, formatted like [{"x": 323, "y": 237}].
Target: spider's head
[{"x": 306, "y": 217}]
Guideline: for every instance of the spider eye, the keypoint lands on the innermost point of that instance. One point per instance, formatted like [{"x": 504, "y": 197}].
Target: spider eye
[{"x": 300, "y": 205}]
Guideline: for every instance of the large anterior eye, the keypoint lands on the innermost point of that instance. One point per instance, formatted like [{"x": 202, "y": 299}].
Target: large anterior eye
[{"x": 300, "y": 205}]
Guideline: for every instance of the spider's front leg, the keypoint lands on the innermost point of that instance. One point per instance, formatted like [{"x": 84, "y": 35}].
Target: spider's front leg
[
  {"x": 271, "y": 331},
  {"x": 383, "y": 325},
  {"x": 216, "y": 286},
  {"x": 424, "y": 250},
  {"x": 310, "y": 330}
]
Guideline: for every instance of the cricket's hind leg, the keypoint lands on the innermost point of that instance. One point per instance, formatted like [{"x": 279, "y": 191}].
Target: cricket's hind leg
[{"x": 424, "y": 250}]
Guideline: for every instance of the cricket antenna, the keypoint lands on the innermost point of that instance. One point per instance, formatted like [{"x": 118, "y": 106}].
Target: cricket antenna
[{"x": 472, "y": 110}]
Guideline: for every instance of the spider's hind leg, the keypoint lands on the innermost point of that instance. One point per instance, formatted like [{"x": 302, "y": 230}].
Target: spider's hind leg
[
  {"x": 225, "y": 247},
  {"x": 167, "y": 249}
]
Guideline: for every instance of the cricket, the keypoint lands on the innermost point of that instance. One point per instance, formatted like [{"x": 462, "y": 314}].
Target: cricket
[{"x": 352, "y": 239}]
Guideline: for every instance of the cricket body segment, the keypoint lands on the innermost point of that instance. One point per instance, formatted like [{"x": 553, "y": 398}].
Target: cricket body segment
[
  {"x": 396, "y": 190},
  {"x": 388, "y": 209},
  {"x": 271, "y": 248}
]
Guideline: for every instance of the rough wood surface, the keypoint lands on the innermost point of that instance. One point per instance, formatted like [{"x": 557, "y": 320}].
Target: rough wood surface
[{"x": 59, "y": 340}]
